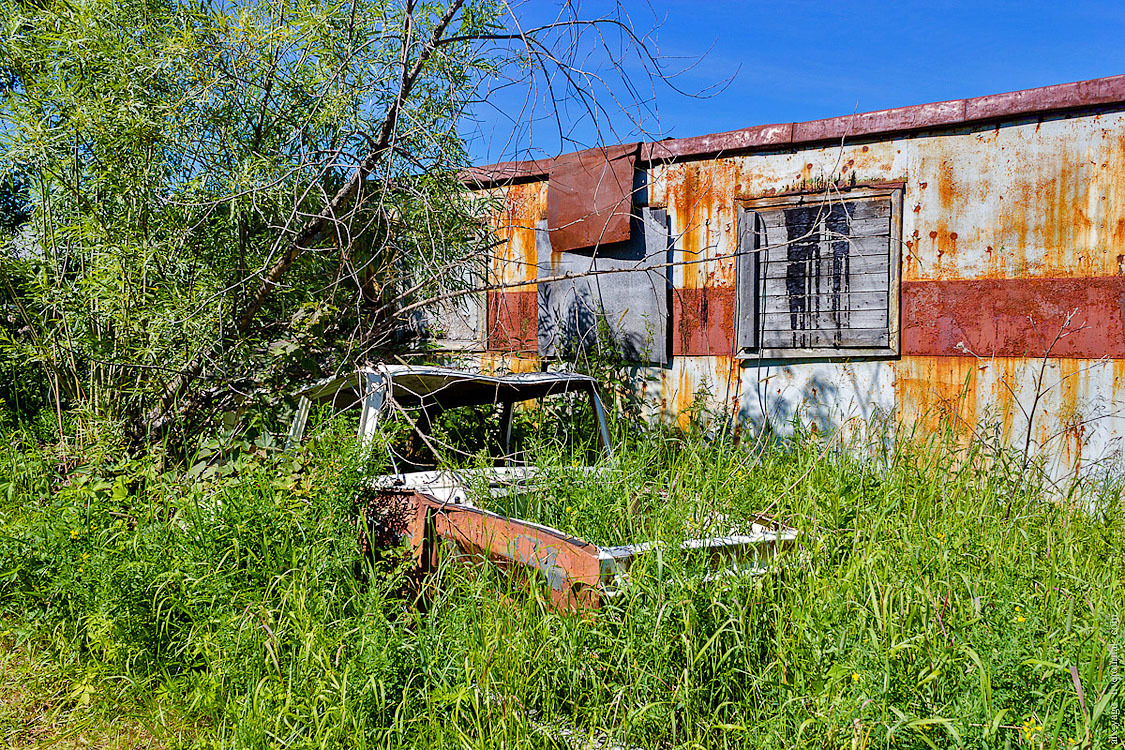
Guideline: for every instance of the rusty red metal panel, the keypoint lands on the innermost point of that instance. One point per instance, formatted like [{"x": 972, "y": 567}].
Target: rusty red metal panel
[
  {"x": 759, "y": 136},
  {"x": 894, "y": 120},
  {"x": 703, "y": 321},
  {"x": 590, "y": 197},
  {"x": 570, "y": 567},
  {"x": 513, "y": 321},
  {"x": 1015, "y": 317},
  {"x": 506, "y": 172},
  {"x": 1047, "y": 98}
]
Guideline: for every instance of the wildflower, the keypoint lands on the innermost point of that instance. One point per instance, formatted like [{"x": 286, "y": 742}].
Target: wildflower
[
  {"x": 569, "y": 509},
  {"x": 80, "y": 569},
  {"x": 941, "y": 537},
  {"x": 1018, "y": 608},
  {"x": 1021, "y": 618},
  {"x": 85, "y": 555},
  {"x": 73, "y": 534},
  {"x": 855, "y": 676},
  {"x": 1030, "y": 728}
]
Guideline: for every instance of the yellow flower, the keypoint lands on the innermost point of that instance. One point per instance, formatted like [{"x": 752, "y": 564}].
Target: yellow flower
[
  {"x": 1017, "y": 608},
  {"x": 1030, "y": 728},
  {"x": 855, "y": 676},
  {"x": 941, "y": 537},
  {"x": 80, "y": 569},
  {"x": 569, "y": 509},
  {"x": 1021, "y": 618},
  {"x": 73, "y": 534},
  {"x": 85, "y": 555}
]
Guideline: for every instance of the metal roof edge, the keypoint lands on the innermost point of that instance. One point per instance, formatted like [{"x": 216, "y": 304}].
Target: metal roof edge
[{"x": 897, "y": 120}]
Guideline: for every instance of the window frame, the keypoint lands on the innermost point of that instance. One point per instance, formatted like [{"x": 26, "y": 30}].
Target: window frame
[{"x": 747, "y": 262}]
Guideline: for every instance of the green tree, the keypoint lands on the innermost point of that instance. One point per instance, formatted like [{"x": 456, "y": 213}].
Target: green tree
[
  {"x": 224, "y": 197},
  {"x": 228, "y": 194}
]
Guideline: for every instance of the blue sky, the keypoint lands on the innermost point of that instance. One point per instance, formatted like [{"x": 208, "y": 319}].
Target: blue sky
[{"x": 789, "y": 60}]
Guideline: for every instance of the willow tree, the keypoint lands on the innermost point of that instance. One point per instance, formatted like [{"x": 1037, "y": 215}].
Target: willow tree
[{"x": 223, "y": 196}]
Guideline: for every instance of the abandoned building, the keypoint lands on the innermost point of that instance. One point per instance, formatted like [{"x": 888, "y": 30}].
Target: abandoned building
[{"x": 952, "y": 265}]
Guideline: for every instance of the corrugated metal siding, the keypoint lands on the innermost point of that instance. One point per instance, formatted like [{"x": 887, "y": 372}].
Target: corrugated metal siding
[{"x": 1007, "y": 230}]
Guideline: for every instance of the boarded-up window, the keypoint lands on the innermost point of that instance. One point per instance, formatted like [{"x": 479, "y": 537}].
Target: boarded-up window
[{"x": 818, "y": 274}]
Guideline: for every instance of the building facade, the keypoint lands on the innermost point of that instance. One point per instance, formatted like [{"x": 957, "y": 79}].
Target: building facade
[{"x": 958, "y": 264}]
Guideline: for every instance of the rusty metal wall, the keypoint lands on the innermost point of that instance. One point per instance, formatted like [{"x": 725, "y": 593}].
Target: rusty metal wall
[{"x": 1012, "y": 286}]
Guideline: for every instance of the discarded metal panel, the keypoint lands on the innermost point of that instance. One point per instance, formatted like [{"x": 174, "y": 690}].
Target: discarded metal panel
[
  {"x": 590, "y": 197},
  {"x": 579, "y": 575},
  {"x": 431, "y": 510},
  {"x": 619, "y": 289}
]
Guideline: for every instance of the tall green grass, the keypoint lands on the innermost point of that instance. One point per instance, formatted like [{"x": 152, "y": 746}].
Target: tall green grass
[{"x": 936, "y": 599}]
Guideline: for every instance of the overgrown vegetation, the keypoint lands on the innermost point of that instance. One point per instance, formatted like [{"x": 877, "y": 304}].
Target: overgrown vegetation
[
  {"x": 203, "y": 204},
  {"x": 219, "y": 197},
  {"x": 221, "y": 606}
]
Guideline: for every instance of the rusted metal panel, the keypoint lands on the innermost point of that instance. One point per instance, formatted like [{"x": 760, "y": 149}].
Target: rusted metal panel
[
  {"x": 613, "y": 297},
  {"x": 512, "y": 321},
  {"x": 1013, "y": 217},
  {"x": 590, "y": 197},
  {"x": 703, "y": 321},
  {"x": 571, "y": 567},
  {"x": 1083, "y": 318},
  {"x": 578, "y": 574}
]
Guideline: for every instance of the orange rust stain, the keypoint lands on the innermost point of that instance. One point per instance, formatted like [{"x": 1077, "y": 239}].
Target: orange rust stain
[
  {"x": 502, "y": 363},
  {"x": 515, "y": 226},
  {"x": 722, "y": 229},
  {"x": 1005, "y": 373},
  {"x": 684, "y": 398},
  {"x": 962, "y": 394},
  {"x": 1118, "y": 376},
  {"x": 698, "y": 384},
  {"x": 949, "y": 198},
  {"x": 690, "y": 197},
  {"x": 1049, "y": 203},
  {"x": 1067, "y": 422},
  {"x": 911, "y": 265},
  {"x": 937, "y": 393},
  {"x": 1114, "y": 196}
]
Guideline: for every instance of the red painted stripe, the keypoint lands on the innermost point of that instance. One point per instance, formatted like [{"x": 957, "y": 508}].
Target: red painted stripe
[
  {"x": 513, "y": 320},
  {"x": 1015, "y": 317},
  {"x": 703, "y": 321},
  {"x": 1001, "y": 317}
]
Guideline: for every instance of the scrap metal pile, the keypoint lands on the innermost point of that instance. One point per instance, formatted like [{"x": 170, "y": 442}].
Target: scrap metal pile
[{"x": 436, "y": 510}]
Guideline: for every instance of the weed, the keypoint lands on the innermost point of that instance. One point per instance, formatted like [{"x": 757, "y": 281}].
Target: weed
[{"x": 221, "y": 608}]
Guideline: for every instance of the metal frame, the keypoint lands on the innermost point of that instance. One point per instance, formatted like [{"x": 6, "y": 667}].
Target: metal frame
[{"x": 579, "y": 575}]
